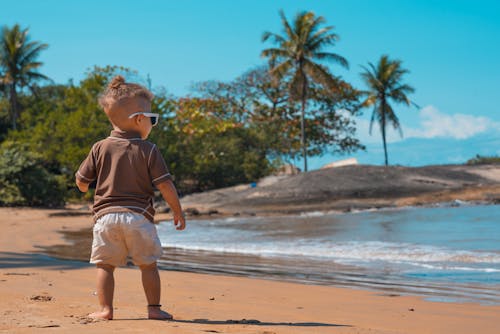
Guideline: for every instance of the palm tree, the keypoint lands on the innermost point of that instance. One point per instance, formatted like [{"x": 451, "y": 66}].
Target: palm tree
[
  {"x": 18, "y": 64},
  {"x": 385, "y": 84},
  {"x": 297, "y": 51}
]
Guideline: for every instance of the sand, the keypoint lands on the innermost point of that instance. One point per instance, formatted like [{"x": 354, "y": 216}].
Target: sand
[{"x": 42, "y": 295}]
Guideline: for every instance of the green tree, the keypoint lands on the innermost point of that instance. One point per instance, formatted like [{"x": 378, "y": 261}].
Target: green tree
[
  {"x": 298, "y": 51},
  {"x": 332, "y": 127},
  {"x": 274, "y": 118},
  {"x": 61, "y": 122},
  {"x": 19, "y": 65},
  {"x": 206, "y": 147},
  {"x": 257, "y": 100},
  {"x": 385, "y": 84}
]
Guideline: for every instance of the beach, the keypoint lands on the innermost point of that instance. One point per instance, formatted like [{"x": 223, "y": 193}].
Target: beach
[{"x": 41, "y": 292}]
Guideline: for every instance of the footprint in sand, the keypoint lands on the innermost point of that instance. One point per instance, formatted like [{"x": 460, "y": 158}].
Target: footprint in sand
[
  {"x": 44, "y": 326},
  {"x": 41, "y": 298},
  {"x": 84, "y": 320}
]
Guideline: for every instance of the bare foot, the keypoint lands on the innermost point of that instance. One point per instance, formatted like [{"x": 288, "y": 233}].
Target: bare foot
[
  {"x": 158, "y": 314},
  {"x": 105, "y": 315}
]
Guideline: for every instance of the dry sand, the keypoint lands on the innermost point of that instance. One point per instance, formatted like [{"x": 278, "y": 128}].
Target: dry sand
[{"x": 42, "y": 295}]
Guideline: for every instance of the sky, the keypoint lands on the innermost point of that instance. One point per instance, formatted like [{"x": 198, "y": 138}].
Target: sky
[{"x": 450, "y": 47}]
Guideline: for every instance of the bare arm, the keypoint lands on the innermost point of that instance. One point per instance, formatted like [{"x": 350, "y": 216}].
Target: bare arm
[
  {"x": 169, "y": 193},
  {"x": 84, "y": 187}
]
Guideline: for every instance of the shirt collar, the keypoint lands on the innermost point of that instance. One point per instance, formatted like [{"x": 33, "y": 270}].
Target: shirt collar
[{"x": 125, "y": 134}]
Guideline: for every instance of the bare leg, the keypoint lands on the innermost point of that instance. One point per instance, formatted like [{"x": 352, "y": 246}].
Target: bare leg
[
  {"x": 152, "y": 289},
  {"x": 105, "y": 291}
]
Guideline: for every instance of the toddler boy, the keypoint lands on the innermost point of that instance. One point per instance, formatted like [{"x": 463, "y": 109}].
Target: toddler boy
[{"x": 126, "y": 168}]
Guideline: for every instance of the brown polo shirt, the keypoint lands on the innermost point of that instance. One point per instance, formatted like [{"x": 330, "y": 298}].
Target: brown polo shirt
[{"x": 126, "y": 169}]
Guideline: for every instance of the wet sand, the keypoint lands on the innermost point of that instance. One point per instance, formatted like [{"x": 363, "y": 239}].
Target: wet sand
[{"x": 43, "y": 294}]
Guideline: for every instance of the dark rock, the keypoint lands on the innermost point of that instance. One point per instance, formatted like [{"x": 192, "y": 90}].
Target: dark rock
[{"x": 192, "y": 211}]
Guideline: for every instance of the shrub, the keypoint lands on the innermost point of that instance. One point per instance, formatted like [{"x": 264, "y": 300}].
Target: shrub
[
  {"x": 25, "y": 181},
  {"x": 481, "y": 160}
]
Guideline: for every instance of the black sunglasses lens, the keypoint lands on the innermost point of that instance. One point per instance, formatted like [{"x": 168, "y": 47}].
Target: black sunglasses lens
[{"x": 154, "y": 120}]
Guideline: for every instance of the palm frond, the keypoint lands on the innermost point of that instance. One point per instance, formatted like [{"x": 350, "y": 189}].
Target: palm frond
[
  {"x": 288, "y": 30},
  {"x": 310, "y": 25},
  {"x": 369, "y": 76},
  {"x": 320, "y": 74},
  {"x": 275, "y": 53},
  {"x": 282, "y": 69},
  {"x": 332, "y": 57},
  {"x": 316, "y": 21},
  {"x": 37, "y": 76},
  {"x": 31, "y": 53},
  {"x": 318, "y": 33},
  {"x": 301, "y": 23},
  {"x": 398, "y": 94},
  {"x": 393, "y": 119},
  {"x": 319, "y": 43},
  {"x": 370, "y": 100},
  {"x": 275, "y": 38},
  {"x": 372, "y": 119}
]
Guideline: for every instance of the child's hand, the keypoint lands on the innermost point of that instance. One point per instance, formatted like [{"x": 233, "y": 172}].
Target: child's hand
[{"x": 179, "y": 221}]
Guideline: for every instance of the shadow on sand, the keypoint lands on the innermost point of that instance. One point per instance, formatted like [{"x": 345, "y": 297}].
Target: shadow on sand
[
  {"x": 252, "y": 322},
  {"x": 11, "y": 260},
  {"x": 258, "y": 323}
]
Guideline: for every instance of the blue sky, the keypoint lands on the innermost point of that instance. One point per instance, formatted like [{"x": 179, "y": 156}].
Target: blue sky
[{"x": 452, "y": 49}]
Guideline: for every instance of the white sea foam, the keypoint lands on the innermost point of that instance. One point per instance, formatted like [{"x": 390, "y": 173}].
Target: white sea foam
[
  {"x": 357, "y": 251},
  {"x": 313, "y": 214},
  {"x": 448, "y": 267}
]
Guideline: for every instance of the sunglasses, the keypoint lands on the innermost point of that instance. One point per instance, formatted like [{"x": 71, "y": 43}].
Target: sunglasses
[{"x": 152, "y": 116}]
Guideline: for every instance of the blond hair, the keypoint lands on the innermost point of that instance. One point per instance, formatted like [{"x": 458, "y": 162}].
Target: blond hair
[{"x": 118, "y": 90}]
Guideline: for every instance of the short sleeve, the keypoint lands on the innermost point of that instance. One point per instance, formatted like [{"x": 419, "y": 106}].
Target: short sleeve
[
  {"x": 157, "y": 167},
  {"x": 87, "y": 171}
]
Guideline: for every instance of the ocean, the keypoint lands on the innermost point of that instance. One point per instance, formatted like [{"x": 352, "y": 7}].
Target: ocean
[{"x": 446, "y": 253}]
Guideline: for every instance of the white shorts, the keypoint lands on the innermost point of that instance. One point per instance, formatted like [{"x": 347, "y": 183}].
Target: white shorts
[{"x": 121, "y": 234}]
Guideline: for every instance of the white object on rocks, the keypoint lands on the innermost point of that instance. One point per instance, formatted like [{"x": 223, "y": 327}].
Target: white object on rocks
[
  {"x": 287, "y": 169},
  {"x": 341, "y": 163}
]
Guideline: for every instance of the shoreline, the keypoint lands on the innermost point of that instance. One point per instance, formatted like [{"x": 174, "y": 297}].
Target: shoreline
[
  {"x": 263, "y": 268},
  {"x": 40, "y": 292}
]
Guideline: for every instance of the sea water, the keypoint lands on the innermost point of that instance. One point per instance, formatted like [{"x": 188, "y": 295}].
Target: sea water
[{"x": 442, "y": 253}]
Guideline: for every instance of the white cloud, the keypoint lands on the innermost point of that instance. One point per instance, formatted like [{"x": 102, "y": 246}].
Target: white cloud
[
  {"x": 434, "y": 123},
  {"x": 431, "y": 124}
]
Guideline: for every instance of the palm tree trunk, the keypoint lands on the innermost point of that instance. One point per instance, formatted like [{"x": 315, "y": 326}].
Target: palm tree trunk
[
  {"x": 385, "y": 147},
  {"x": 383, "y": 133},
  {"x": 302, "y": 121}
]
